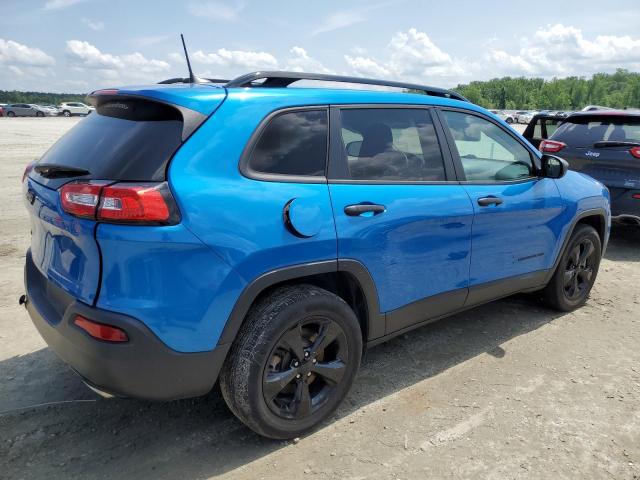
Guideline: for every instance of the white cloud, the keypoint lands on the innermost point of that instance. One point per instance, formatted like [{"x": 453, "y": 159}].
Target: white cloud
[
  {"x": 410, "y": 56},
  {"x": 97, "y": 26},
  {"x": 14, "y": 53},
  {"x": 559, "y": 50},
  {"x": 339, "y": 20},
  {"x": 216, "y": 10},
  {"x": 300, "y": 61},
  {"x": 237, "y": 59},
  {"x": 366, "y": 67},
  {"x": 135, "y": 66},
  {"x": 58, "y": 4}
]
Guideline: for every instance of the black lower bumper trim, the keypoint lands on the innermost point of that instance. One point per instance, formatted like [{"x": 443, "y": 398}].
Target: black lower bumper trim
[{"x": 144, "y": 367}]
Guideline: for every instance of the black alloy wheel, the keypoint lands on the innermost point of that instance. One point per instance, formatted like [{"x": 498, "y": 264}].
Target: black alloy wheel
[
  {"x": 306, "y": 365},
  {"x": 578, "y": 271}
]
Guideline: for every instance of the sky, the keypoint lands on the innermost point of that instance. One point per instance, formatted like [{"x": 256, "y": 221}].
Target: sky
[{"x": 83, "y": 45}]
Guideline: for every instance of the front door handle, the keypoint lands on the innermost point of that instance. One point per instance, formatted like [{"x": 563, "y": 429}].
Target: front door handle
[
  {"x": 363, "y": 208},
  {"x": 490, "y": 200}
]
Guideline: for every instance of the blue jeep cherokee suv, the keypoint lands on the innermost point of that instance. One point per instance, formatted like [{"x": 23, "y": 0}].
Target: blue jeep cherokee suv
[{"x": 263, "y": 235}]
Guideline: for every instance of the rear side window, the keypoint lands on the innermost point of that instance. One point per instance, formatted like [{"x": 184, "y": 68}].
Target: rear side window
[
  {"x": 125, "y": 140},
  {"x": 587, "y": 130},
  {"x": 293, "y": 143},
  {"x": 391, "y": 144}
]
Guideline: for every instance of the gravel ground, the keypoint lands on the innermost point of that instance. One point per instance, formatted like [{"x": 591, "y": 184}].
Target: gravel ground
[{"x": 508, "y": 390}]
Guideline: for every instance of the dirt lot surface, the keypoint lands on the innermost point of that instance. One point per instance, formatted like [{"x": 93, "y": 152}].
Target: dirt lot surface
[{"x": 508, "y": 390}]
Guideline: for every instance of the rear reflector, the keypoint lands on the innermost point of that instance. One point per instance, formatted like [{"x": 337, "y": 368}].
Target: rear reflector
[
  {"x": 145, "y": 203},
  {"x": 551, "y": 146},
  {"x": 635, "y": 151},
  {"x": 80, "y": 199},
  {"x": 101, "y": 331},
  {"x": 138, "y": 203}
]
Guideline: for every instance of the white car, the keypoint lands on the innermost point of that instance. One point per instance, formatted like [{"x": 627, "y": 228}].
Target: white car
[
  {"x": 507, "y": 117},
  {"x": 75, "y": 108}
]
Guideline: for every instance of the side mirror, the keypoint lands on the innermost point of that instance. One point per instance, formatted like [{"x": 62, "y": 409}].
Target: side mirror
[
  {"x": 554, "y": 167},
  {"x": 353, "y": 148}
]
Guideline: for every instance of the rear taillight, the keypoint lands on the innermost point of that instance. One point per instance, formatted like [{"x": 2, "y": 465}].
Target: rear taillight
[
  {"x": 80, "y": 199},
  {"x": 101, "y": 331},
  {"x": 635, "y": 151},
  {"x": 139, "y": 203},
  {"x": 636, "y": 196},
  {"x": 145, "y": 203},
  {"x": 27, "y": 171},
  {"x": 551, "y": 146}
]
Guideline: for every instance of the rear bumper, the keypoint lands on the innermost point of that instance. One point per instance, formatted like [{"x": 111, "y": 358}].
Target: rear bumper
[
  {"x": 144, "y": 367},
  {"x": 623, "y": 206}
]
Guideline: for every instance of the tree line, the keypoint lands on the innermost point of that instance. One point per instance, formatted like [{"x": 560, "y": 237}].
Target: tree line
[
  {"x": 620, "y": 89},
  {"x": 39, "y": 98}
]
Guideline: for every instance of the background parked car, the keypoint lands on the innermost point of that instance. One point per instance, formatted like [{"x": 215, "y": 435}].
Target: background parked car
[
  {"x": 504, "y": 116},
  {"x": 2, "y": 105},
  {"x": 55, "y": 110},
  {"x": 605, "y": 146},
  {"x": 74, "y": 108},
  {"x": 524, "y": 117},
  {"x": 27, "y": 110}
]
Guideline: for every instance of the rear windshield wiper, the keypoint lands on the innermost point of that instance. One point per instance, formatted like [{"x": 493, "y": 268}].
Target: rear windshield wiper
[
  {"x": 59, "y": 171},
  {"x": 616, "y": 144}
]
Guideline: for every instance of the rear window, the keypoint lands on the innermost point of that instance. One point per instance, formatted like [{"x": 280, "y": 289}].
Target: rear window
[
  {"x": 587, "y": 130},
  {"x": 124, "y": 140}
]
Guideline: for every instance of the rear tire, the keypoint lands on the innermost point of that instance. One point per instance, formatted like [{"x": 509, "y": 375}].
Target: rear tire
[
  {"x": 292, "y": 362},
  {"x": 576, "y": 272},
  {"x": 509, "y": 120},
  {"x": 11, "y": 114},
  {"x": 39, "y": 114},
  {"x": 66, "y": 113}
]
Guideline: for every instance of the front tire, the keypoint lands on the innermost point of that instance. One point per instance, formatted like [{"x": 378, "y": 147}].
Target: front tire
[
  {"x": 39, "y": 114},
  {"x": 293, "y": 361},
  {"x": 66, "y": 113},
  {"x": 576, "y": 272}
]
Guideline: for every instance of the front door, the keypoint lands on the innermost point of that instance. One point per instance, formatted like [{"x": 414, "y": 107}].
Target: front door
[
  {"x": 399, "y": 211},
  {"x": 517, "y": 213}
]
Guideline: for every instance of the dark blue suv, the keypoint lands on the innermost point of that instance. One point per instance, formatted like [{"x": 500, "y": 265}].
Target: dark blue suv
[{"x": 263, "y": 235}]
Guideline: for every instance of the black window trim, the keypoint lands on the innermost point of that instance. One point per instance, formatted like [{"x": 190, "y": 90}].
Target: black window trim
[
  {"x": 456, "y": 158},
  {"x": 245, "y": 157},
  {"x": 336, "y": 149}
]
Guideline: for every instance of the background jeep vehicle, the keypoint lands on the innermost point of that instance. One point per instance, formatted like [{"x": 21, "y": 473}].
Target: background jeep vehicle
[
  {"x": 267, "y": 234},
  {"x": 605, "y": 146}
]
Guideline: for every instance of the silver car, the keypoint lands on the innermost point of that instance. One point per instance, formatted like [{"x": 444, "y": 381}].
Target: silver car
[
  {"x": 507, "y": 117},
  {"x": 28, "y": 110}
]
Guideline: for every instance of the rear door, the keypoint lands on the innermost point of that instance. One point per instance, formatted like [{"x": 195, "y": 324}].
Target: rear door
[
  {"x": 540, "y": 128},
  {"x": 517, "y": 214},
  {"x": 128, "y": 140},
  {"x": 399, "y": 210}
]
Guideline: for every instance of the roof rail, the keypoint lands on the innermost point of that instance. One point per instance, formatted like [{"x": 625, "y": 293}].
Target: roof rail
[
  {"x": 188, "y": 80},
  {"x": 284, "y": 79}
]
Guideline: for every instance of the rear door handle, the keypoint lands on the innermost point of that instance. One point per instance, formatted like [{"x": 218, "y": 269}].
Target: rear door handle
[
  {"x": 490, "y": 200},
  {"x": 363, "y": 208}
]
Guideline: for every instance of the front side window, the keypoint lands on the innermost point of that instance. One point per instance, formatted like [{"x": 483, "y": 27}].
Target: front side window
[
  {"x": 391, "y": 144},
  {"x": 293, "y": 143},
  {"x": 487, "y": 152}
]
